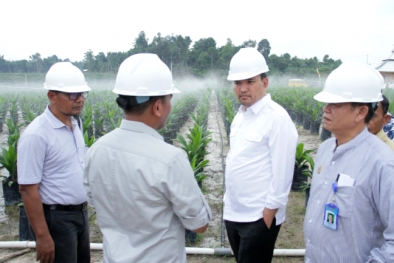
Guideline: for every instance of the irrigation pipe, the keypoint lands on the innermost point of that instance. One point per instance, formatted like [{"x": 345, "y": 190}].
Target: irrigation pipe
[{"x": 189, "y": 250}]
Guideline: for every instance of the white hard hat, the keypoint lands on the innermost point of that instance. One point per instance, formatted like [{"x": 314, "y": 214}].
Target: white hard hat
[
  {"x": 352, "y": 82},
  {"x": 144, "y": 75},
  {"x": 65, "y": 77},
  {"x": 247, "y": 63}
]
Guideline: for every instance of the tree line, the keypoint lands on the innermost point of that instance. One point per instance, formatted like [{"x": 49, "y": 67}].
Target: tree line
[{"x": 182, "y": 57}]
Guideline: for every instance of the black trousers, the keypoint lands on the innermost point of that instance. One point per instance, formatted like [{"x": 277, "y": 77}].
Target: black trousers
[
  {"x": 70, "y": 233},
  {"x": 252, "y": 242}
]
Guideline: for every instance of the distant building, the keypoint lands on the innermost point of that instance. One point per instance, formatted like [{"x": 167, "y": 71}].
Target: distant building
[{"x": 386, "y": 68}]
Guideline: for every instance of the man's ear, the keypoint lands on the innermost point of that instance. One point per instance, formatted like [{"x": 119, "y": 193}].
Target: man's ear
[
  {"x": 386, "y": 119},
  {"x": 51, "y": 96},
  {"x": 265, "y": 83},
  {"x": 157, "y": 108},
  {"x": 362, "y": 113}
]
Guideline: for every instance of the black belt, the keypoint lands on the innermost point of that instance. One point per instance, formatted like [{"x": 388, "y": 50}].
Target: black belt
[{"x": 80, "y": 207}]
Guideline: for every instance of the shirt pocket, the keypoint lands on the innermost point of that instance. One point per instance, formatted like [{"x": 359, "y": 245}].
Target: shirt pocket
[
  {"x": 253, "y": 136},
  {"x": 345, "y": 200}
]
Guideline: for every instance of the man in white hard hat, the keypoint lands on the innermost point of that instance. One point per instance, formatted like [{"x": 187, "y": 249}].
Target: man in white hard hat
[
  {"x": 379, "y": 120},
  {"x": 51, "y": 154},
  {"x": 260, "y": 163},
  {"x": 142, "y": 188},
  {"x": 353, "y": 176}
]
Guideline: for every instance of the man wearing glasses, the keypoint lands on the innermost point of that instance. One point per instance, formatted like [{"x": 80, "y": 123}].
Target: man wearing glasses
[{"x": 51, "y": 154}]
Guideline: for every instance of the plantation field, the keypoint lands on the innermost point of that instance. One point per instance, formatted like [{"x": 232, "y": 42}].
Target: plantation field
[{"x": 291, "y": 235}]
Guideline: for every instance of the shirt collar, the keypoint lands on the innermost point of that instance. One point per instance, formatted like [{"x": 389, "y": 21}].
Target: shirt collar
[
  {"x": 255, "y": 108},
  {"x": 353, "y": 142},
  {"x": 55, "y": 122},
  {"x": 139, "y": 127}
]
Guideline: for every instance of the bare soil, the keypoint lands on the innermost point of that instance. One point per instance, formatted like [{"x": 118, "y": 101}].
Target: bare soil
[{"x": 290, "y": 236}]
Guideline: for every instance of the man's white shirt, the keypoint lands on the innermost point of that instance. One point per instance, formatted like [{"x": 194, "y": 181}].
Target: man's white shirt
[{"x": 260, "y": 163}]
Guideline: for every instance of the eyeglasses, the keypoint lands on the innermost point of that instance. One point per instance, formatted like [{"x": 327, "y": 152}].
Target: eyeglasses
[{"x": 75, "y": 95}]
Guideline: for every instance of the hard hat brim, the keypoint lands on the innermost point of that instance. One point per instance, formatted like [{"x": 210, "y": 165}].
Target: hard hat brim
[
  {"x": 242, "y": 76},
  {"x": 153, "y": 94},
  {"x": 82, "y": 88},
  {"x": 327, "y": 97}
]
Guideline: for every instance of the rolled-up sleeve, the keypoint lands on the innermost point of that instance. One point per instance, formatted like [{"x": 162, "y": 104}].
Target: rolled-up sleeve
[
  {"x": 180, "y": 187},
  {"x": 282, "y": 144}
]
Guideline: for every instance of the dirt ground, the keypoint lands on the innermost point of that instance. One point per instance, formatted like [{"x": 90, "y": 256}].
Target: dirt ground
[{"x": 290, "y": 236}]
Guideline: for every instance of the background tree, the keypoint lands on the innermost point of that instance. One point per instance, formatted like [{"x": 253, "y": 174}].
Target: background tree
[
  {"x": 36, "y": 59},
  {"x": 249, "y": 43},
  {"x": 140, "y": 43},
  {"x": 183, "y": 57},
  {"x": 89, "y": 60},
  {"x": 264, "y": 48}
]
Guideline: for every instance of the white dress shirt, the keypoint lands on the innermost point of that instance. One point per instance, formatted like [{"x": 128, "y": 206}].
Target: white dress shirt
[
  {"x": 260, "y": 163},
  {"x": 51, "y": 155},
  {"x": 145, "y": 195}
]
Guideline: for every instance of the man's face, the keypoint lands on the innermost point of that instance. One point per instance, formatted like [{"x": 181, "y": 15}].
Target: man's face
[
  {"x": 340, "y": 118},
  {"x": 378, "y": 120},
  {"x": 65, "y": 105},
  {"x": 249, "y": 91}
]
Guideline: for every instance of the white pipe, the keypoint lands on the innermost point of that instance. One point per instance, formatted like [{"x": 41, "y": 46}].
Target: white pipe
[
  {"x": 189, "y": 250},
  {"x": 17, "y": 244},
  {"x": 289, "y": 252},
  {"x": 96, "y": 246},
  {"x": 200, "y": 251}
]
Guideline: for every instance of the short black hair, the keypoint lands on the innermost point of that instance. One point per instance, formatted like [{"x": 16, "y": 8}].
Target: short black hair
[
  {"x": 385, "y": 105},
  {"x": 263, "y": 75},
  {"x": 371, "y": 110},
  {"x": 128, "y": 104}
]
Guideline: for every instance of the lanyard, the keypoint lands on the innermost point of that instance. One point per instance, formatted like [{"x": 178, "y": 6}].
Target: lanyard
[{"x": 334, "y": 187}]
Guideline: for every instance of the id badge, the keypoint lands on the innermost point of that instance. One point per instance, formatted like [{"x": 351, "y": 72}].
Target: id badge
[{"x": 331, "y": 212}]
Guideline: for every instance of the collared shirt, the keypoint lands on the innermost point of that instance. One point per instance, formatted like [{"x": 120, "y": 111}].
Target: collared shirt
[
  {"x": 51, "y": 155},
  {"x": 260, "y": 163},
  {"x": 381, "y": 135},
  {"x": 389, "y": 128},
  {"x": 145, "y": 195},
  {"x": 366, "y": 213}
]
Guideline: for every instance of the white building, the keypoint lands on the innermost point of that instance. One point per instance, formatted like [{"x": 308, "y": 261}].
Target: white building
[{"x": 386, "y": 68}]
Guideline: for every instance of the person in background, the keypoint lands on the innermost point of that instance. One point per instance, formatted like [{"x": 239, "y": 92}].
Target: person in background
[
  {"x": 50, "y": 165},
  {"x": 260, "y": 163},
  {"x": 379, "y": 119},
  {"x": 142, "y": 188},
  {"x": 353, "y": 176},
  {"x": 388, "y": 128}
]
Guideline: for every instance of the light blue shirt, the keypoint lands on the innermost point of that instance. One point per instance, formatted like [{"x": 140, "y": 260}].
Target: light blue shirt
[
  {"x": 366, "y": 210},
  {"x": 51, "y": 155},
  {"x": 145, "y": 195}
]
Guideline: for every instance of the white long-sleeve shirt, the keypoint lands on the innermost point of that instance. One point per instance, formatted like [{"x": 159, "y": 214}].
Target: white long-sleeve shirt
[
  {"x": 260, "y": 163},
  {"x": 145, "y": 195}
]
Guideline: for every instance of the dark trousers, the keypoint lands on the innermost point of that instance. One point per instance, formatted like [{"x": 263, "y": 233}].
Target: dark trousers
[
  {"x": 70, "y": 233},
  {"x": 252, "y": 242}
]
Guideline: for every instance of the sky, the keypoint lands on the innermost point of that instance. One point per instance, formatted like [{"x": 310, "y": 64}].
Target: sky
[{"x": 350, "y": 30}]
